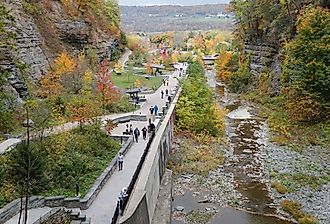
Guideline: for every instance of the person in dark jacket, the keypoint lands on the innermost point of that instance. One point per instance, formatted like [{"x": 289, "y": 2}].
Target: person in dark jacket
[
  {"x": 144, "y": 133},
  {"x": 136, "y": 134}
]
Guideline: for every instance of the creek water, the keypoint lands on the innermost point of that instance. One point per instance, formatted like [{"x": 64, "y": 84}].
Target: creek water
[{"x": 244, "y": 135}]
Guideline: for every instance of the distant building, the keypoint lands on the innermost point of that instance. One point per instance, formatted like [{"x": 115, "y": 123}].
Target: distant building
[{"x": 224, "y": 15}]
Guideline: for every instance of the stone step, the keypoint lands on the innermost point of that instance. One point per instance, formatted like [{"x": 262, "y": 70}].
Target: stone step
[
  {"x": 87, "y": 221},
  {"x": 75, "y": 222}
]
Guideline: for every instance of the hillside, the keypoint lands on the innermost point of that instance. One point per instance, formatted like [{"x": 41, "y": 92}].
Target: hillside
[
  {"x": 41, "y": 30},
  {"x": 175, "y": 18}
]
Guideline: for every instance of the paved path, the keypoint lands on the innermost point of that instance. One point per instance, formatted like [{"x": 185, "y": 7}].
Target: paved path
[
  {"x": 6, "y": 145},
  {"x": 103, "y": 207},
  {"x": 33, "y": 215}
]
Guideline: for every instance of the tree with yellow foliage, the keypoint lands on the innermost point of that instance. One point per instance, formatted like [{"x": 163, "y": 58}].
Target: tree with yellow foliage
[
  {"x": 222, "y": 65},
  {"x": 51, "y": 84}
]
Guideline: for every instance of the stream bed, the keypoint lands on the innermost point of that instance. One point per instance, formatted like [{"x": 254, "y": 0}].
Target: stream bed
[{"x": 239, "y": 195}]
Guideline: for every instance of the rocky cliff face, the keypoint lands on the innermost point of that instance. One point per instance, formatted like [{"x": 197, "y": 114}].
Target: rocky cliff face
[
  {"x": 44, "y": 33},
  {"x": 264, "y": 58}
]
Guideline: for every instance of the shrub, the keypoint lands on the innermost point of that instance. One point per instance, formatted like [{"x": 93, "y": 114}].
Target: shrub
[
  {"x": 303, "y": 106},
  {"x": 121, "y": 106},
  {"x": 279, "y": 187},
  {"x": 293, "y": 208},
  {"x": 242, "y": 80},
  {"x": 307, "y": 220}
]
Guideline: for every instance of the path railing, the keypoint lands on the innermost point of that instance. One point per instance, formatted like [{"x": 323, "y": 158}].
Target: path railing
[{"x": 120, "y": 208}]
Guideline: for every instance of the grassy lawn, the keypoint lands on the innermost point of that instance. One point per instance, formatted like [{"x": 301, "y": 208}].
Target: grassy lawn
[{"x": 126, "y": 81}]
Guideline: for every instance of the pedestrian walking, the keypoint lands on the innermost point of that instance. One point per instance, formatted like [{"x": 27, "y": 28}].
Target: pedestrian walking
[
  {"x": 167, "y": 82},
  {"x": 121, "y": 199},
  {"x": 162, "y": 94},
  {"x": 151, "y": 110},
  {"x": 136, "y": 134},
  {"x": 131, "y": 129},
  {"x": 144, "y": 133},
  {"x": 156, "y": 110},
  {"x": 164, "y": 82},
  {"x": 166, "y": 92},
  {"x": 152, "y": 127},
  {"x": 127, "y": 130},
  {"x": 169, "y": 99},
  {"x": 120, "y": 160}
]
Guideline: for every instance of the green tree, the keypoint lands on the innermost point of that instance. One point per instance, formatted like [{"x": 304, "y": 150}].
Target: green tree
[
  {"x": 307, "y": 57},
  {"x": 112, "y": 12},
  {"x": 26, "y": 169}
]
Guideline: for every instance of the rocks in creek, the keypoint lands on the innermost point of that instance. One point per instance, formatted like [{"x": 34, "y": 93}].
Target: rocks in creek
[
  {"x": 196, "y": 193},
  {"x": 204, "y": 201},
  {"x": 248, "y": 151},
  {"x": 179, "y": 208},
  {"x": 311, "y": 161}
]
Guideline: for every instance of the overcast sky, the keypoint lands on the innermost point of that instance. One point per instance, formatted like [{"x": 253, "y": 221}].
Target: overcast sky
[{"x": 181, "y": 2}]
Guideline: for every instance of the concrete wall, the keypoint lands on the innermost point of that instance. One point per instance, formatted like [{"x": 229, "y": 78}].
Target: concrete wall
[
  {"x": 148, "y": 184},
  {"x": 163, "y": 211}
]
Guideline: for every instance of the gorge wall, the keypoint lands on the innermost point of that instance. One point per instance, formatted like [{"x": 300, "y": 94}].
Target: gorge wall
[
  {"x": 43, "y": 29},
  {"x": 264, "y": 59}
]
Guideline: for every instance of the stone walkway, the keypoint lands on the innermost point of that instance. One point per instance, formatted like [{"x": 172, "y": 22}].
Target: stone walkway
[{"x": 103, "y": 207}]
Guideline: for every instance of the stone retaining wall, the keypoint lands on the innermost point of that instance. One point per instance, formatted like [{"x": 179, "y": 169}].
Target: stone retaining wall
[
  {"x": 11, "y": 209},
  {"x": 54, "y": 216}
]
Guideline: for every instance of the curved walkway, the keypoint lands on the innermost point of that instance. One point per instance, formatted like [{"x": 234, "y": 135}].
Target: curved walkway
[{"x": 104, "y": 205}]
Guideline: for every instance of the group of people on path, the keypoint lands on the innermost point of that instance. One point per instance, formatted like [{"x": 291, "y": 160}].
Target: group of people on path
[
  {"x": 120, "y": 158},
  {"x": 154, "y": 110},
  {"x": 166, "y": 94},
  {"x": 136, "y": 133}
]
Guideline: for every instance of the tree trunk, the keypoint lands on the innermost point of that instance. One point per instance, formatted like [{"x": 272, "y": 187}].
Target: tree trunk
[
  {"x": 21, "y": 206},
  {"x": 27, "y": 193}
]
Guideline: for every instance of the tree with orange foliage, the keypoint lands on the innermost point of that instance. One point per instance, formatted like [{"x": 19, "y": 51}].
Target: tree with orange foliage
[
  {"x": 222, "y": 65},
  {"x": 51, "y": 84},
  {"x": 104, "y": 84},
  {"x": 199, "y": 43},
  {"x": 149, "y": 68},
  {"x": 109, "y": 126},
  {"x": 83, "y": 109}
]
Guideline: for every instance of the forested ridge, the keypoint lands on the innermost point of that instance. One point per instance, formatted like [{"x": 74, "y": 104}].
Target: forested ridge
[{"x": 292, "y": 36}]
